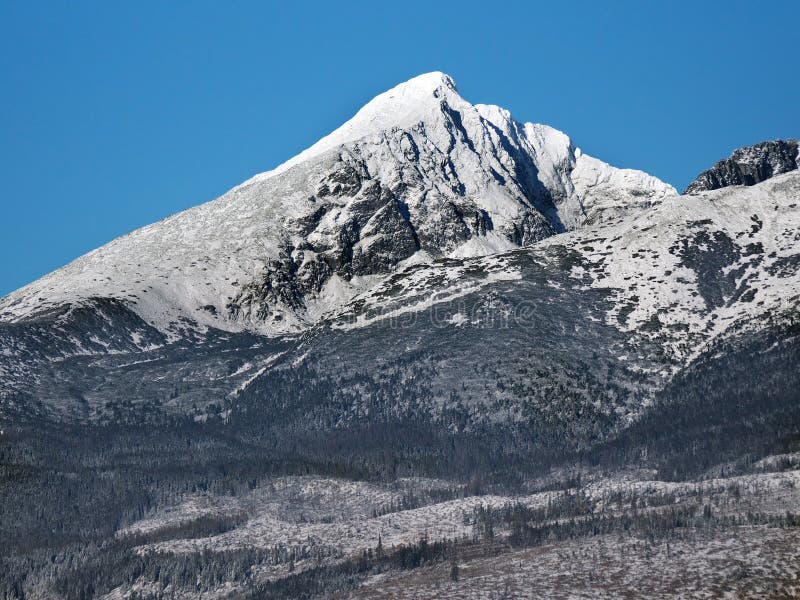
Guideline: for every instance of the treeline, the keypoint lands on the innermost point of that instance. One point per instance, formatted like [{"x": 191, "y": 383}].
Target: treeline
[
  {"x": 202, "y": 526},
  {"x": 350, "y": 573},
  {"x": 532, "y": 527}
]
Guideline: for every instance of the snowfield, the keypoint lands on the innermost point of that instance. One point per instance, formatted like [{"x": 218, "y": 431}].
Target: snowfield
[{"x": 754, "y": 562}]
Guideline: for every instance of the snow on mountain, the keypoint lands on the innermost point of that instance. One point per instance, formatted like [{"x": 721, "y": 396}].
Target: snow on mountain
[
  {"x": 692, "y": 270},
  {"x": 681, "y": 274},
  {"x": 402, "y": 107},
  {"x": 583, "y": 189},
  {"x": 417, "y": 173}
]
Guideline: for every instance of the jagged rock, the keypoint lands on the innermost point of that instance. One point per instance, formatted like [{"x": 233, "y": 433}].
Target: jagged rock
[{"x": 749, "y": 165}]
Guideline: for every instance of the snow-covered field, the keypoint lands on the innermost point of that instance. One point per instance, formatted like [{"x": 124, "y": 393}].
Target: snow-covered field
[
  {"x": 301, "y": 512},
  {"x": 322, "y": 521},
  {"x": 750, "y": 562}
]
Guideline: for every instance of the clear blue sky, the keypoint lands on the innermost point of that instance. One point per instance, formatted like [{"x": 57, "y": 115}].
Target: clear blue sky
[{"x": 113, "y": 115}]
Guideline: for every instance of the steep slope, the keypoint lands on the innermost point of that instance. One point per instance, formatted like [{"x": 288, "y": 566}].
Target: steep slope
[
  {"x": 749, "y": 165},
  {"x": 417, "y": 173},
  {"x": 392, "y": 352}
]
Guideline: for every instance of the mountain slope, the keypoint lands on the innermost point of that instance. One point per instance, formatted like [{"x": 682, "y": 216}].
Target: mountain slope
[
  {"x": 428, "y": 260},
  {"x": 397, "y": 232},
  {"x": 579, "y": 331},
  {"x": 598, "y": 318},
  {"x": 417, "y": 173}
]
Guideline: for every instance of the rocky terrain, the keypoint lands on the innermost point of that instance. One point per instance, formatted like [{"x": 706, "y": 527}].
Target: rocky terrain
[{"x": 748, "y": 166}]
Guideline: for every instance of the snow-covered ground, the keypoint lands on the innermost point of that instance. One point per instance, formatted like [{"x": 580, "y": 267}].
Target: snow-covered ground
[
  {"x": 336, "y": 519},
  {"x": 750, "y": 562},
  {"x": 657, "y": 265},
  {"x": 651, "y": 261}
]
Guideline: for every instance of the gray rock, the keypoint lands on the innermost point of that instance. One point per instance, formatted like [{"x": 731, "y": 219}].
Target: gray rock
[{"x": 748, "y": 166}]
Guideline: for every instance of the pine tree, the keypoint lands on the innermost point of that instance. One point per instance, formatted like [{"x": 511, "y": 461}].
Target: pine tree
[
  {"x": 379, "y": 548},
  {"x": 454, "y": 570}
]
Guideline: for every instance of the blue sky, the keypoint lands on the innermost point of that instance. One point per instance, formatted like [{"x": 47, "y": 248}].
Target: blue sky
[{"x": 114, "y": 115}]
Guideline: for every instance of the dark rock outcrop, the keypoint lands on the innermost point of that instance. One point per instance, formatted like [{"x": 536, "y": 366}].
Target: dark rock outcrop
[{"x": 748, "y": 166}]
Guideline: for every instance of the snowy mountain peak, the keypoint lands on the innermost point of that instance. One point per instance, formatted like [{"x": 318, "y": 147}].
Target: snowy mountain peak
[
  {"x": 424, "y": 84},
  {"x": 405, "y": 105},
  {"x": 418, "y": 173}
]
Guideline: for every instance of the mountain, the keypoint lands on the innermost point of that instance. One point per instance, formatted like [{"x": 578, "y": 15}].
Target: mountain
[
  {"x": 422, "y": 229},
  {"x": 436, "y": 321},
  {"x": 417, "y": 174},
  {"x": 749, "y": 165},
  {"x": 421, "y": 204}
]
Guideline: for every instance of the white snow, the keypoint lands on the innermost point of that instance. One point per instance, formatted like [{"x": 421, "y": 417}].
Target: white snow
[
  {"x": 403, "y": 106},
  {"x": 642, "y": 266},
  {"x": 343, "y": 518}
]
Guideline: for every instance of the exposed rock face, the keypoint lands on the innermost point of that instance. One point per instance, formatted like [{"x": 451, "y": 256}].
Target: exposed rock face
[{"x": 748, "y": 166}]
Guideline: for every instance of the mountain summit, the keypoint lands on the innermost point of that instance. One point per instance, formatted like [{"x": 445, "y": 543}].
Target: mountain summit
[
  {"x": 405, "y": 105},
  {"x": 417, "y": 174}
]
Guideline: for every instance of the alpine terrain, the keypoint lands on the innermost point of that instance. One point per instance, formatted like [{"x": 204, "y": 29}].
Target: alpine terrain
[{"x": 440, "y": 353}]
